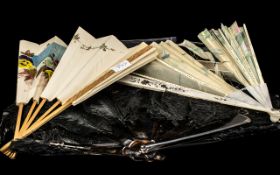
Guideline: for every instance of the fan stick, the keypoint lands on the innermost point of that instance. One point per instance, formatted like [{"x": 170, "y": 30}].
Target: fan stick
[
  {"x": 8, "y": 153},
  {"x": 69, "y": 102},
  {"x": 29, "y": 113},
  {"x": 20, "y": 109},
  {"x": 24, "y": 127},
  {"x": 180, "y": 62},
  {"x": 49, "y": 110},
  {"x": 253, "y": 55},
  {"x": 43, "y": 121},
  {"x": 5, "y": 148},
  {"x": 13, "y": 156}
]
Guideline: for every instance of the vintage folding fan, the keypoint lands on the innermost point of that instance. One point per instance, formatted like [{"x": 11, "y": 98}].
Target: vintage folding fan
[
  {"x": 45, "y": 63},
  {"x": 87, "y": 66},
  {"x": 32, "y": 71},
  {"x": 177, "y": 67}
]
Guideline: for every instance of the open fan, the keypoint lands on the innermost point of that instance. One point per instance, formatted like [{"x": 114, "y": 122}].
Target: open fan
[
  {"x": 35, "y": 66},
  {"x": 87, "y": 66},
  {"x": 179, "y": 72}
]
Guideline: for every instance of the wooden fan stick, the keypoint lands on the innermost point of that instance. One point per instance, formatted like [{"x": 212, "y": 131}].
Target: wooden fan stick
[
  {"x": 43, "y": 121},
  {"x": 20, "y": 109},
  {"x": 8, "y": 153},
  {"x": 48, "y": 111},
  {"x": 17, "y": 130},
  {"x": 133, "y": 57},
  {"x": 13, "y": 156},
  {"x": 31, "y": 119},
  {"x": 29, "y": 113},
  {"x": 5, "y": 148},
  {"x": 69, "y": 102}
]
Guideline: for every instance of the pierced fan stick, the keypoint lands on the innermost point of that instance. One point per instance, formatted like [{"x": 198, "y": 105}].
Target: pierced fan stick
[
  {"x": 24, "y": 127},
  {"x": 29, "y": 114},
  {"x": 69, "y": 102}
]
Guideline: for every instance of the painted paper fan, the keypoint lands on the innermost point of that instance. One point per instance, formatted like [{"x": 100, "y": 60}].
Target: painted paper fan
[
  {"x": 136, "y": 101},
  {"x": 87, "y": 66},
  {"x": 36, "y": 63}
]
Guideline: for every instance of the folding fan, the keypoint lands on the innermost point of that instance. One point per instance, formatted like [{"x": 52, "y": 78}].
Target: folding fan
[
  {"x": 33, "y": 66},
  {"x": 233, "y": 47},
  {"x": 177, "y": 71},
  {"x": 45, "y": 63},
  {"x": 87, "y": 66}
]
